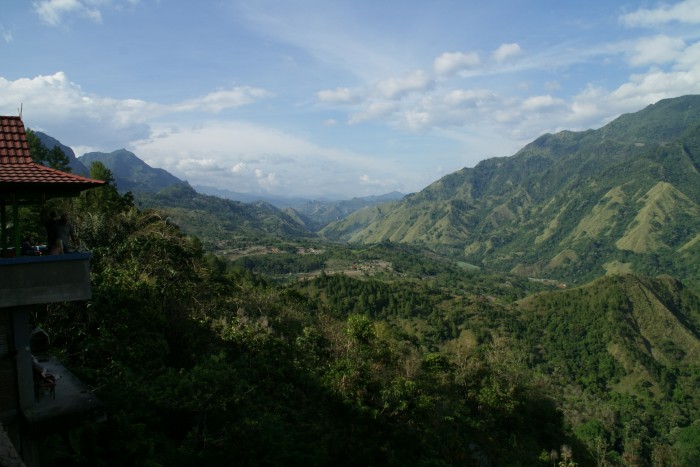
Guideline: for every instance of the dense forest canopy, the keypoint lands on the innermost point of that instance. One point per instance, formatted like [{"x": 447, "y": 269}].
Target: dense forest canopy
[{"x": 299, "y": 351}]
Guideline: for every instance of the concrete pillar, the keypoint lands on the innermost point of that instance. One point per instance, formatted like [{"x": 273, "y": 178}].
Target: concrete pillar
[{"x": 25, "y": 378}]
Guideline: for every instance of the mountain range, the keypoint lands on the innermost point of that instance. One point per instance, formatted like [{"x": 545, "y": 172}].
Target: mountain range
[
  {"x": 625, "y": 197},
  {"x": 256, "y": 215},
  {"x": 571, "y": 205},
  {"x": 314, "y": 214}
]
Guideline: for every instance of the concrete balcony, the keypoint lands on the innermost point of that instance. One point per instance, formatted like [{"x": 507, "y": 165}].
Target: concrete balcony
[
  {"x": 31, "y": 280},
  {"x": 70, "y": 405}
]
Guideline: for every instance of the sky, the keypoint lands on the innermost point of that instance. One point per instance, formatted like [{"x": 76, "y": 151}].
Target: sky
[{"x": 334, "y": 99}]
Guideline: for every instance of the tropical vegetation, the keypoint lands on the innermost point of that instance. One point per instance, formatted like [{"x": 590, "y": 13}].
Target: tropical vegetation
[{"x": 566, "y": 332}]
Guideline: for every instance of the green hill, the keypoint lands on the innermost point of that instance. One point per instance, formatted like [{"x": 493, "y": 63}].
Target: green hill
[
  {"x": 639, "y": 324},
  {"x": 566, "y": 204},
  {"x": 224, "y": 225}
]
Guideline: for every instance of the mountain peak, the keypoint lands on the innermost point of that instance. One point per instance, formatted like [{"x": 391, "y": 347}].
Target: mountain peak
[
  {"x": 131, "y": 173},
  {"x": 50, "y": 142}
]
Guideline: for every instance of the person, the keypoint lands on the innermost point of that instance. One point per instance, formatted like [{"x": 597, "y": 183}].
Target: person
[
  {"x": 42, "y": 379},
  {"x": 66, "y": 234},
  {"x": 28, "y": 246},
  {"x": 53, "y": 240}
]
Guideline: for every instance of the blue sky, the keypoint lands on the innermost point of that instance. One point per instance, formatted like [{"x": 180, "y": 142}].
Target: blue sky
[{"x": 336, "y": 98}]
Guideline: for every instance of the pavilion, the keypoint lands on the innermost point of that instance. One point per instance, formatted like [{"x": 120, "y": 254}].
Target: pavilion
[{"x": 26, "y": 412}]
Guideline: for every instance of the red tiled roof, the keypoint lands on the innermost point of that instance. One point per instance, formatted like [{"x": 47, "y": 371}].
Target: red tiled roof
[
  {"x": 37, "y": 173},
  {"x": 14, "y": 148},
  {"x": 17, "y": 169}
]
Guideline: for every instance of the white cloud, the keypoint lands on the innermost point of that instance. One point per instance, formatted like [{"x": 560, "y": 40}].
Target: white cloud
[
  {"x": 374, "y": 111},
  {"x": 450, "y": 62},
  {"x": 540, "y": 103},
  {"x": 53, "y": 11},
  {"x": 55, "y": 97},
  {"x": 584, "y": 109},
  {"x": 687, "y": 11},
  {"x": 224, "y": 99},
  {"x": 53, "y": 101},
  {"x": 656, "y": 50},
  {"x": 249, "y": 158},
  {"x": 6, "y": 34},
  {"x": 417, "y": 119},
  {"x": 337, "y": 96},
  {"x": 233, "y": 155},
  {"x": 239, "y": 167},
  {"x": 690, "y": 57},
  {"x": 595, "y": 106},
  {"x": 415, "y": 81},
  {"x": 506, "y": 51},
  {"x": 386, "y": 184},
  {"x": 656, "y": 84},
  {"x": 204, "y": 164},
  {"x": 267, "y": 181},
  {"x": 417, "y": 103},
  {"x": 469, "y": 97}
]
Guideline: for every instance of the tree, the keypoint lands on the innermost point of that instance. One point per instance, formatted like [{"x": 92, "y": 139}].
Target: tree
[
  {"x": 54, "y": 158},
  {"x": 687, "y": 445},
  {"x": 596, "y": 438},
  {"x": 36, "y": 148},
  {"x": 58, "y": 160},
  {"x": 105, "y": 199}
]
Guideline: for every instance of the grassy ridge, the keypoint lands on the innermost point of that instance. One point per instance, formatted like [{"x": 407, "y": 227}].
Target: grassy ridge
[{"x": 629, "y": 189}]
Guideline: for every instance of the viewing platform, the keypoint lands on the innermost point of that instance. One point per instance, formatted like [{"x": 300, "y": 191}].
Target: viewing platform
[
  {"x": 71, "y": 403},
  {"x": 30, "y": 280}
]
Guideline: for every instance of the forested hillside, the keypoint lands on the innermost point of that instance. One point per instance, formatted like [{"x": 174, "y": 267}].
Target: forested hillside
[
  {"x": 573, "y": 205},
  {"x": 298, "y": 351},
  {"x": 223, "y": 225},
  {"x": 202, "y": 363},
  {"x": 412, "y": 360}
]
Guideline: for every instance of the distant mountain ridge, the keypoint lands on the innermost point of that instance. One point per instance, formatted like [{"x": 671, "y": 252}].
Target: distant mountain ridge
[
  {"x": 278, "y": 201},
  {"x": 294, "y": 202},
  {"x": 223, "y": 224},
  {"x": 76, "y": 166},
  {"x": 315, "y": 214},
  {"x": 572, "y": 205},
  {"x": 216, "y": 218},
  {"x": 131, "y": 173}
]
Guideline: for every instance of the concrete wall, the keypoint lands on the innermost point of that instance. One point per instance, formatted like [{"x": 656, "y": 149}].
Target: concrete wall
[{"x": 30, "y": 280}]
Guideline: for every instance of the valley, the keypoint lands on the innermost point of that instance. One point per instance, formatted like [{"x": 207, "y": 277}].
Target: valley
[{"x": 531, "y": 307}]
